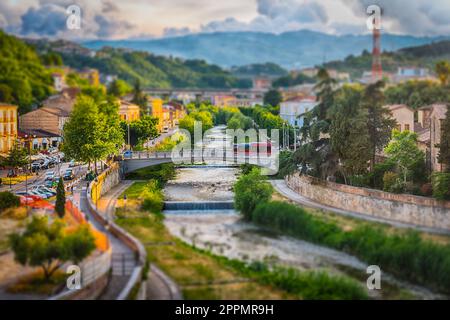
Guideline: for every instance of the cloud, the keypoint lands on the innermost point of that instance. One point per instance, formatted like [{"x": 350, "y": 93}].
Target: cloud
[
  {"x": 277, "y": 16},
  {"x": 99, "y": 19},
  {"x": 418, "y": 17},
  {"x": 48, "y": 20}
]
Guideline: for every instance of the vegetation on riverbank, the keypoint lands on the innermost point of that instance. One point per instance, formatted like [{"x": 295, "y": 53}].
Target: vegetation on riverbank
[
  {"x": 162, "y": 173},
  {"x": 406, "y": 255},
  {"x": 203, "y": 275}
]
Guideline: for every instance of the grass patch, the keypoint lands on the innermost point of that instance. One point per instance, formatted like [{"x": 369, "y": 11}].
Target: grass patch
[
  {"x": 36, "y": 283},
  {"x": 162, "y": 173},
  {"x": 187, "y": 266}
]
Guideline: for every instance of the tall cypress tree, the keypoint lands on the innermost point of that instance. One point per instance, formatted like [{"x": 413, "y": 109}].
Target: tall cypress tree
[
  {"x": 60, "y": 205},
  {"x": 444, "y": 146}
]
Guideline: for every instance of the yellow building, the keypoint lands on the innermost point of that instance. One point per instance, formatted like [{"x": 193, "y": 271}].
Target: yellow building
[
  {"x": 129, "y": 111},
  {"x": 156, "y": 111},
  {"x": 8, "y": 127}
]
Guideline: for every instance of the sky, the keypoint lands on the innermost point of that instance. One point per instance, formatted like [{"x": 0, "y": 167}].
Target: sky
[{"x": 139, "y": 19}]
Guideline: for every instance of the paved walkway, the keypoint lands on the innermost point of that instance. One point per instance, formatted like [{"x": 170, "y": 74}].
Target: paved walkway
[
  {"x": 158, "y": 285},
  {"x": 282, "y": 188},
  {"x": 120, "y": 251}
]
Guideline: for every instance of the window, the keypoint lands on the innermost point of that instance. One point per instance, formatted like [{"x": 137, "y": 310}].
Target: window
[{"x": 407, "y": 127}]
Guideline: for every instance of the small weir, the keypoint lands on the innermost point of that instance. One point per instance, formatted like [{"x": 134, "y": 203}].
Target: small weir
[{"x": 198, "y": 206}]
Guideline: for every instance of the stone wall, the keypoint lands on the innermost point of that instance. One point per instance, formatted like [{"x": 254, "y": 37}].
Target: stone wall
[{"x": 420, "y": 211}]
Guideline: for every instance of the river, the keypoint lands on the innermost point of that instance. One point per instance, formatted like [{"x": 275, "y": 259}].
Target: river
[{"x": 224, "y": 233}]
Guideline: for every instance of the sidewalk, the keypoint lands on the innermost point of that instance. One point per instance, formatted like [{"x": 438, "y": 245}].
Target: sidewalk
[
  {"x": 282, "y": 188},
  {"x": 125, "y": 255}
]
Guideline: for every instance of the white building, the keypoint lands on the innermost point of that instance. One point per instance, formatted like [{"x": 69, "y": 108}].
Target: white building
[{"x": 291, "y": 110}]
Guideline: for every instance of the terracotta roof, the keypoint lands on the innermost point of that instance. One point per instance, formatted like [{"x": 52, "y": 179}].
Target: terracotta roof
[
  {"x": 37, "y": 132},
  {"x": 64, "y": 101}
]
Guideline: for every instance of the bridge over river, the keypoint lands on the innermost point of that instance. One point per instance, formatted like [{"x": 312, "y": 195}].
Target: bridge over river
[{"x": 214, "y": 158}]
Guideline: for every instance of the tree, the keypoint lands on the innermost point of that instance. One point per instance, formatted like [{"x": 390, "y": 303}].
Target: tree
[
  {"x": 404, "y": 152},
  {"x": 273, "y": 97},
  {"x": 119, "y": 88},
  {"x": 60, "y": 205},
  {"x": 443, "y": 71},
  {"x": 325, "y": 94},
  {"x": 8, "y": 200},
  {"x": 49, "y": 246},
  {"x": 140, "y": 130},
  {"x": 17, "y": 157},
  {"x": 250, "y": 190},
  {"x": 349, "y": 136},
  {"x": 444, "y": 145},
  {"x": 92, "y": 132},
  {"x": 379, "y": 119}
]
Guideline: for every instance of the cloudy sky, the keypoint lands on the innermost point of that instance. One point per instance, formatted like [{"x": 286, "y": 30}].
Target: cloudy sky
[{"x": 114, "y": 19}]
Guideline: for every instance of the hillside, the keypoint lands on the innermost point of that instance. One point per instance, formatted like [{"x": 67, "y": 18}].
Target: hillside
[
  {"x": 151, "y": 70},
  {"x": 268, "y": 69},
  {"x": 291, "y": 50},
  {"x": 23, "y": 79},
  {"x": 420, "y": 56}
]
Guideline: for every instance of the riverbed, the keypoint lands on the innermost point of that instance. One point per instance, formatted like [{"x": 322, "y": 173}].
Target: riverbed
[{"x": 224, "y": 233}]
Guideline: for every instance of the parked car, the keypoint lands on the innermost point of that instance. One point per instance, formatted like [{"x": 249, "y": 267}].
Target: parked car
[
  {"x": 46, "y": 190},
  {"x": 35, "y": 166},
  {"x": 68, "y": 175},
  {"x": 50, "y": 175},
  {"x": 49, "y": 183},
  {"x": 41, "y": 194},
  {"x": 128, "y": 154}
]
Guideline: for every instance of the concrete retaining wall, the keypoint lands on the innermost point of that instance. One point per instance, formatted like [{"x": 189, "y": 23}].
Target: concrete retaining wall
[{"x": 420, "y": 211}]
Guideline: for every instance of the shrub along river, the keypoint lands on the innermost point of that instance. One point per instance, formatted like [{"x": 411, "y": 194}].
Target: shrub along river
[{"x": 199, "y": 211}]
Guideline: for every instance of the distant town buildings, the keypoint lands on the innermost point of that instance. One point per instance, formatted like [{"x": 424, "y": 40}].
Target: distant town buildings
[
  {"x": 8, "y": 127},
  {"x": 129, "y": 111},
  {"x": 293, "y": 109},
  {"x": 262, "y": 83}
]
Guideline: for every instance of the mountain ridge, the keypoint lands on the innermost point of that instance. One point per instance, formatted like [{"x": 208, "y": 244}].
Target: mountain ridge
[{"x": 291, "y": 50}]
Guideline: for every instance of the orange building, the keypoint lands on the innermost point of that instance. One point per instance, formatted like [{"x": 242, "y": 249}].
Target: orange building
[
  {"x": 129, "y": 111},
  {"x": 8, "y": 127}
]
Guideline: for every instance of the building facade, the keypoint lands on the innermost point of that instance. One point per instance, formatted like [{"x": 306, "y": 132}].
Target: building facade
[
  {"x": 129, "y": 111},
  {"x": 404, "y": 116},
  {"x": 293, "y": 109},
  {"x": 8, "y": 127}
]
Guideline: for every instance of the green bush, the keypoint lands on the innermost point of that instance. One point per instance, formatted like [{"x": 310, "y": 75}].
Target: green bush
[
  {"x": 153, "y": 198},
  {"x": 376, "y": 176},
  {"x": 392, "y": 183},
  {"x": 162, "y": 173},
  {"x": 315, "y": 285},
  {"x": 406, "y": 256},
  {"x": 8, "y": 200},
  {"x": 249, "y": 190},
  {"x": 441, "y": 186}
]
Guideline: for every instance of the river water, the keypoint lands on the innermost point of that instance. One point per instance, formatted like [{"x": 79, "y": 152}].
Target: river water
[{"x": 224, "y": 233}]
